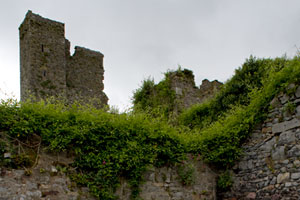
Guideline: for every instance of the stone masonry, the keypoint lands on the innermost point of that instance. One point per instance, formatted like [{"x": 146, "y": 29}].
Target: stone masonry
[
  {"x": 270, "y": 167},
  {"x": 48, "y": 69},
  {"x": 44, "y": 181},
  {"x": 165, "y": 183},
  {"x": 187, "y": 93},
  {"x": 47, "y": 181}
]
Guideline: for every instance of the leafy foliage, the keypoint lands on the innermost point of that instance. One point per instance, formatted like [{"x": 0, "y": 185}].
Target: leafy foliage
[
  {"x": 186, "y": 173},
  {"x": 219, "y": 142},
  {"x": 108, "y": 145},
  {"x": 235, "y": 92},
  {"x": 224, "y": 181},
  {"x": 159, "y": 99}
]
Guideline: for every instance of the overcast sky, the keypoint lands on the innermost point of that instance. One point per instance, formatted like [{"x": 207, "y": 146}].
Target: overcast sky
[{"x": 142, "y": 38}]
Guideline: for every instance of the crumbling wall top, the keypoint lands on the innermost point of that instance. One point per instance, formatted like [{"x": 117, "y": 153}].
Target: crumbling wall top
[
  {"x": 30, "y": 16},
  {"x": 86, "y": 52}
]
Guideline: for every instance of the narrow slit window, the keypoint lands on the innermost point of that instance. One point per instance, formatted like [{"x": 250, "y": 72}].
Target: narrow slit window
[
  {"x": 42, "y": 48},
  {"x": 44, "y": 73}
]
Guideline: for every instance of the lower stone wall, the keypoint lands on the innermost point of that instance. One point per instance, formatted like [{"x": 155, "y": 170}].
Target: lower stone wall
[
  {"x": 47, "y": 181},
  {"x": 270, "y": 167},
  {"x": 166, "y": 183},
  {"x": 43, "y": 182}
]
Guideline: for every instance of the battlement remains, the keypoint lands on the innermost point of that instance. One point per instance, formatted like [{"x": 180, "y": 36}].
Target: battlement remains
[{"x": 48, "y": 69}]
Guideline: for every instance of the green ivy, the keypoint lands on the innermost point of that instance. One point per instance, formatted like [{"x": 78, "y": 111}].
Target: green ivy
[
  {"x": 108, "y": 146},
  {"x": 224, "y": 181}
]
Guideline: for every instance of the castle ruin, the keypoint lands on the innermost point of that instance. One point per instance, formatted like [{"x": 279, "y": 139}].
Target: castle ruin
[
  {"x": 48, "y": 69},
  {"x": 187, "y": 93}
]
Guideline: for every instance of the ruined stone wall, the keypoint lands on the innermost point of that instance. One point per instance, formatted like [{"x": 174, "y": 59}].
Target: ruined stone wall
[
  {"x": 42, "y": 55},
  {"x": 47, "y": 181},
  {"x": 82, "y": 67},
  {"x": 48, "y": 69},
  {"x": 43, "y": 182},
  {"x": 187, "y": 93},
  {"x": 165, "y": 184},
  {"x": 270, "y": 167},
  {"x": 208, "y": 89}
]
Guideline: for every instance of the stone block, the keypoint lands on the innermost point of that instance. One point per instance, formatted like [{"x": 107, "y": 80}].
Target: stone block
[
  {"x": 297, "y": 93},
  {"x": 266, "y": 130},
  {"x": 34, "y": 195},
  {"x": 178, "y": 91},
  {"x": 31, "y": 186},
  {"x": 243, "y": 165},
  {"x": 284, "y": 99},
  {"x": 287, "y": 137},
  {"x": 278, "y": 153},
  {"x": 7, "y": 155},
  {"x": 275, "y": 103},
  {"x": 298, "y": 111},
  {"x": 288, "y": 184},
  {"x": 268, "y": 146},
  {"x": 297, "y": 163},
  {"x": 250, "y": 164},
  {"x": 297, "y": 101},
  {"x": 295, "y": 175},
  {"x": 283, "y": 177},
  {"x": 251, "y": 195},
  {"x": 286, "y": 125},
  {"x": 294, "y": 151}
]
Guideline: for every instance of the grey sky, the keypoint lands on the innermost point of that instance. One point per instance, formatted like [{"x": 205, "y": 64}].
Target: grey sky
[{"x": 142, "y": 38}]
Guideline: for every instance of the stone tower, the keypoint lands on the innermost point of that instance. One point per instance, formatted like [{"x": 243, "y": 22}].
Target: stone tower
[{"x": 48, "y": 69}]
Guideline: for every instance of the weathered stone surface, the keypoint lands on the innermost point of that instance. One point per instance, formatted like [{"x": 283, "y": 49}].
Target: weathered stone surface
[
  {"x": 243, "y": 165},
  {"x": 7, "y": 155},
  {"x": 187, "y": 94},
  {"x": 283, "y": 177},
  {"x": 295, "y": 175},
  {"x": 278, "y": 153},
  {"x": 294, "y": 151},
  {"x": 288, "y": 184},
  {"x": 164, "y": 183},
  {"x": 296, "y": 163},
  {"x": 251, "y": 195},
  {"x": 298, "y": 92},
  {"x": 275, "y": 102},
  {"x": 275, "y": 173},
  {"x": 286, "y": 138},
  {"x": 268, "y": 146},
  {"x": 178, "y": 91},
  {"x": 298, "y": 111},
  {"x": 286, "y": 125},
  {"x": 15, "y": 184},
  {"x": 284, "y": 99},
  {"x": 48, "y": 69}
]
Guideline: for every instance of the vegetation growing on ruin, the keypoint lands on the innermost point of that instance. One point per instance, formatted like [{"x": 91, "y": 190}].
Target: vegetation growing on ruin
[
  {"x": 107, "y": 146},
  {"x": 220, "y": 138},
  {"x": 159, "y": 100},
  {"x": 236, "y": 91}
]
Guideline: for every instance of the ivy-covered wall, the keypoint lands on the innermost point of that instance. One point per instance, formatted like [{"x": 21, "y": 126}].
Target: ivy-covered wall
[
  {"x": 189, "y": 180},
  {"x": 270, "y": 166}
]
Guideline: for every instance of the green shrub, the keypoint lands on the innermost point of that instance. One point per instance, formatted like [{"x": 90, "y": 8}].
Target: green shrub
[
  {"x": 160, "y": 99},
  {"x": 224, "y": 181},
  {"x": 186, "y": 173},
  {"x": 108, "y": 146},
  {"x": 236, "y": 91},
  {"x": 220, "y": 141}
]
